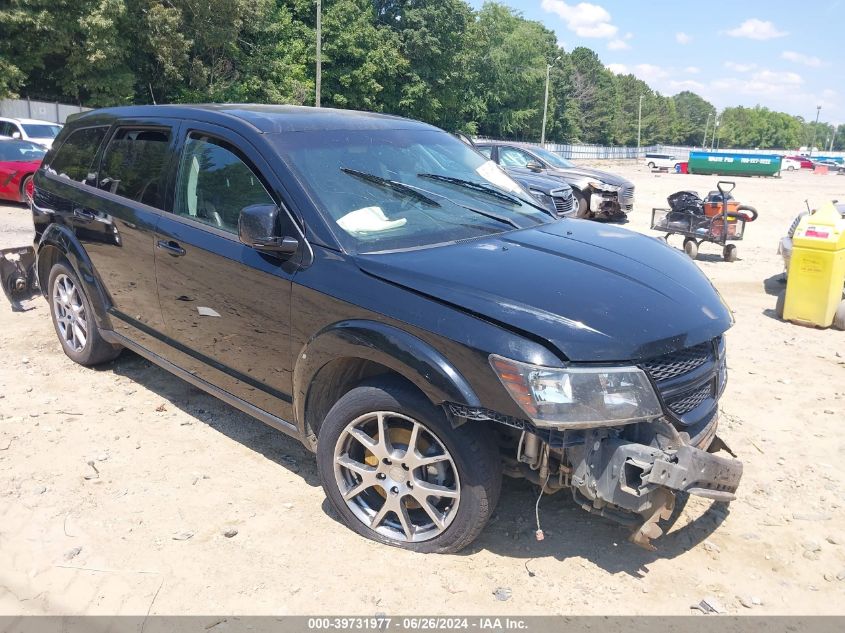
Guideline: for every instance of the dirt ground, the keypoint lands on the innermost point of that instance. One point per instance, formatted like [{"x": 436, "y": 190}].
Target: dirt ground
[{"x": 142, "y": 530}]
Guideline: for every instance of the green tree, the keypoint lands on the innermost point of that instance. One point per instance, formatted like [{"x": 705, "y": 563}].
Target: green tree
[{"x": 694, "y": 114}]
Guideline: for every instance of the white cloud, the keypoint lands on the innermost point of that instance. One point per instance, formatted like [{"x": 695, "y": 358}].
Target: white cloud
[
  {"x": 692, "y": 70},
  {"x": 649, "y": 72},
  {"x": 618, "y": 69},
  {"x": 801, "y": 58},
  {"x": 683, "y": 38},
  {"x": 740, "y": 68},
  {"x": 584, "y": 18},
  {"x": 755, "y": 29},
  {"x": 617, "y": 45},
  {"x": 687, "y": 84}
]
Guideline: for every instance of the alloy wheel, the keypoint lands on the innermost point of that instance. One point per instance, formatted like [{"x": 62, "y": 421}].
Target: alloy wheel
[
  {"x": 396, "y": 476},
  {"x": 69, "y": 310}
]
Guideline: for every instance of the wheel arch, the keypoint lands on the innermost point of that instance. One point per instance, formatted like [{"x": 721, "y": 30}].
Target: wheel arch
[
  {"x": 344, "y": 354},
  {"x": 58, "y": 242}
]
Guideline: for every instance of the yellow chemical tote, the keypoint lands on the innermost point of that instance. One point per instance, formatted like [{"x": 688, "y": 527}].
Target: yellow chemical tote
[{"x": 817, "y": 269}]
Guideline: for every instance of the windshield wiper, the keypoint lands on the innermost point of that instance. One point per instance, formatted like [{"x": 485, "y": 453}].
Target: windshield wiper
[
  {"x": 475, "y": 186},
  {"x": 492, "y": 216},
  {"x": 393, "y": 185}
]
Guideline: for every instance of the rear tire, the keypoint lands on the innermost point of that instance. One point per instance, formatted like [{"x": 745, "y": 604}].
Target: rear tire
[
  {"x": 73, "y": 319},
  {"x": 691, "y": 248},
  {"x": 651, "y": 165},
  {"x": 352, "y": 455}
]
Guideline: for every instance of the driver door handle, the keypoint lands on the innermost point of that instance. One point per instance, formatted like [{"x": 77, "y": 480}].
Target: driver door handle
[
  {"x": 173, "y": 249},
  {"x": 83, "y": 214}
]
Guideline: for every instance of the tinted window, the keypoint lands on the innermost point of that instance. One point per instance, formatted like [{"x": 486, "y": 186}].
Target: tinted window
[
  {"x": 75, "y": 157},
  {"x": 486, "y": 151},
  {"x": 510, "y": 157},
  {"x": 41, "y": 130},
  {"x": 22, "y": 151},
  {"x": 5, "y": 128},
  {"x": 215, "y": 184},
  {"x": 134, "y": 163}
]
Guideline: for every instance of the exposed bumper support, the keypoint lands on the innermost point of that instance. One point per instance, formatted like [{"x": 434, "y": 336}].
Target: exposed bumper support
[
  {"x": 17, "y": 275},
  {"x": 616, "y": 477}
]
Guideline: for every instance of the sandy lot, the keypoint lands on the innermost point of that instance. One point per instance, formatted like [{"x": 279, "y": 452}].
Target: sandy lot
[{"x": 178, "y": 468}]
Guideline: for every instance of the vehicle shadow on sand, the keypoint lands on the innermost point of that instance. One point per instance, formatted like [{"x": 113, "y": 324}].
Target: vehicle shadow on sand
[
  {"x": 276, "y": 446},
  {"x": 569, "y": 530}
]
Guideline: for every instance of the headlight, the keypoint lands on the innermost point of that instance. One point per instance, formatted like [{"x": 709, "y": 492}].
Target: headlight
[
  {"x": 543, "y": 198},
  {"x": 603, "y": 186},
  {"x": 578, "y": 397}
]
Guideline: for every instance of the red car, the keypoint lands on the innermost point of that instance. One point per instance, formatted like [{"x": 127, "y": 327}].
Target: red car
[
  {"x": 806, "y": 163},
  {"x": 19, "y": 160}
]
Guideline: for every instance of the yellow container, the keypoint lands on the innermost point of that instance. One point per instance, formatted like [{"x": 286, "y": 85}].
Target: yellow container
[{"x": 817, "y": 268}]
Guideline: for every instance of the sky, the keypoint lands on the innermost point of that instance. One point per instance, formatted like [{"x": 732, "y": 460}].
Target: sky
[{"x": 786, "y": 55}]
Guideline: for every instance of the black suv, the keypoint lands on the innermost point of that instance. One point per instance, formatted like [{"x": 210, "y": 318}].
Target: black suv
[{"x": 377, "y": 289}]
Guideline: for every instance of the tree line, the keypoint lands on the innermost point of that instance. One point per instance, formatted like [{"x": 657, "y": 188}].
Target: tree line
[{"x": 481, "y": 72}]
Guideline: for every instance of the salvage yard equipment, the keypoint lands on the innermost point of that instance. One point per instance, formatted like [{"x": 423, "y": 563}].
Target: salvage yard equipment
[
  {"x": 17, "y": 275},
  {"x": 816, "y": 276},
  {"x": 717, "y": 219},
  {"x": 728, "y": 164}
]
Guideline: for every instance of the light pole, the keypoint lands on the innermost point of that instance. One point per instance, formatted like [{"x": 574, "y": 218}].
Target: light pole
[
  {"x": 832, "y": 137},
  {"x": 319, "y": 53},
  {"x": 639, "y": 125},
  {"x": 813, "y": 142},
  {"x": 546, "y": 101},
  {"x": 706, "y": 124}
]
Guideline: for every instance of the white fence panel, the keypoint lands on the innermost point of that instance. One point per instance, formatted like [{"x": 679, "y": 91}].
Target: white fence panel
[{"x": 45, "y": 110}]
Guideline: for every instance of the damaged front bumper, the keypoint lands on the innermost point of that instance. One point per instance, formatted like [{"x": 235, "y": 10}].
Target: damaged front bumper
[
  {"x": 18, "y": 276},
  {"x": 635, "y": 484}
]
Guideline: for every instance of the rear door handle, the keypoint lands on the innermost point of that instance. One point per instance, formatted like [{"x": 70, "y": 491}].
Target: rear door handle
[
  {"x": 173, "y": 249},
  {"x": 83, "y": 214}
]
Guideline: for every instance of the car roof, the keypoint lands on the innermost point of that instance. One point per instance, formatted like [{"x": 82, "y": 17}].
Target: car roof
[
  {"x": 265, "y": 119},
  {"x": 16, "y": 120}
]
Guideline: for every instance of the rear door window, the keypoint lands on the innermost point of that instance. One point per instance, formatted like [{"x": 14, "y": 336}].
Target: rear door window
[
  {"x": 215, "y": 183},
  {"x": 75, "y": 158},
  {"x": 135, "y": 163}
]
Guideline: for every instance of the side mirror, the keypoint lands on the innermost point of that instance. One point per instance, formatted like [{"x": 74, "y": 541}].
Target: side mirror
[
  {"x": 534, "y": 166},
  {"x": 16, "y": 135},
  {"x": 257, "y": 228}
]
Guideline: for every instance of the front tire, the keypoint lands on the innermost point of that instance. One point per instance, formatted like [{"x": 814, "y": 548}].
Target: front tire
[
  {"x": 583, "y": 207},
  {"x": 396, "y": 471},
  {"x": 73, "y": 319}
]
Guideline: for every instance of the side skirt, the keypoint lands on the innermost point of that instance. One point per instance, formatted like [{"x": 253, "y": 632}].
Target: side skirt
[{"x": 268, "y": 418}]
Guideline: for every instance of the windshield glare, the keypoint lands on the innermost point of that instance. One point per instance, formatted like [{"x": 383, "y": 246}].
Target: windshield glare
[
  {"x": 39, "y": 130},
  {"x": 552, "y": 158},
  {"x": 393, "y": 189}
]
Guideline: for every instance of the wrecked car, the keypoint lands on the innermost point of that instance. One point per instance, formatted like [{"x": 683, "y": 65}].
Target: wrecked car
[
  {"x": 377, "y": 289},
  {"x": 599, "y": 195}
]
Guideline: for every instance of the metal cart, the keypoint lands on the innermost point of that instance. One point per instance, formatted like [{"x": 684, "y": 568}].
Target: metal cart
[{"x": 726, "y": 224}]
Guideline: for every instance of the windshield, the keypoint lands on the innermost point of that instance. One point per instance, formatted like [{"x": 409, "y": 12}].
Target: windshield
[
  {"x": 21, "y": 151},
  {"x": 552, "y": 159},
  {"x": 396, "y": 189},
  {"x": 41, "y": 130}
]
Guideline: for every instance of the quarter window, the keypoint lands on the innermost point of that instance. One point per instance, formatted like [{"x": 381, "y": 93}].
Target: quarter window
[
  {"x": 75, "y": 158},
  {"x": 134, "y": 165},
  {"x": 485, "y": 151},
  {"x": 215, "y": 183}
]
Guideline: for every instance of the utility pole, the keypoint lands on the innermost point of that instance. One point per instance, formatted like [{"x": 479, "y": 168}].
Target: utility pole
[
  {"x": 639, "y": 125},
  {"x": 546, "y": 101},
  {"x": 715, "y": 132},
  {"x": 813, "y": 142},
  {"x": 706, "y": 124},
  {"x": 319, "y": 52},
  {"x": 833, "y": 136}
]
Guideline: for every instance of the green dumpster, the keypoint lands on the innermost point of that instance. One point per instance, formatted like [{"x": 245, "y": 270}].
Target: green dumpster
[{"x": 730, "y": 164}]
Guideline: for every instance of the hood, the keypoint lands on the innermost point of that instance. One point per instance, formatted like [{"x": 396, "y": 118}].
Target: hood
[
  {"x": 575, "y": 174},
  {"x": 592, "y": 292},
  {"x": 532, "y": 180}
]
